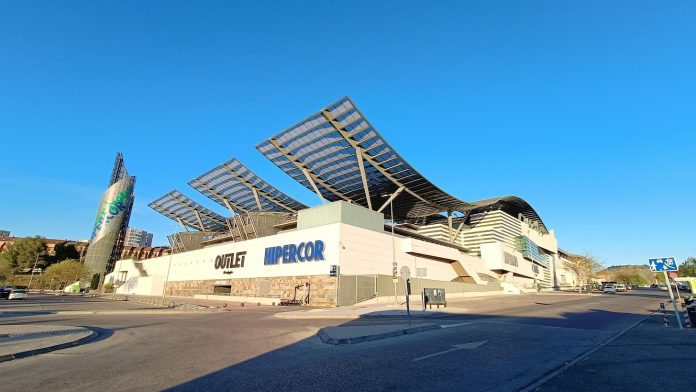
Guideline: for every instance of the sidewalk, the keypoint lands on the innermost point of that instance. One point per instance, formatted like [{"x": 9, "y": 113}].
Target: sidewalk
[
  {"x": 647, "y": 357},
  {"x": 18, "y": 341}
]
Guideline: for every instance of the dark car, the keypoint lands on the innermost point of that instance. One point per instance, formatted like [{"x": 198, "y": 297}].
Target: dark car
[{"x": 5, "y": 292}]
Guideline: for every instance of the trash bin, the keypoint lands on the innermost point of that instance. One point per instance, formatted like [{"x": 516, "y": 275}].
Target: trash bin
[{"x": 434, "y": 297}]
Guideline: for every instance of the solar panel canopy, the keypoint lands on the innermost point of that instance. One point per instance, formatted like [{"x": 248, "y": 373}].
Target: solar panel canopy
[
  {"x": 233, "y": 185},
  {"x": 177, "y": 206},
  {"x": 337, "y": 153}
]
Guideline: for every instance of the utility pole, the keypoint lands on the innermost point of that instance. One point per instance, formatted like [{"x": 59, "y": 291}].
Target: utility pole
[
  {"x": 391, "y": 211},
  {"x": 32, "y": 271}
]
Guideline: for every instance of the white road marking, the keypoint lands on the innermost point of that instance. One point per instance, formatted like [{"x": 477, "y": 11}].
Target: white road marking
[{"x": 455, "y": 347}]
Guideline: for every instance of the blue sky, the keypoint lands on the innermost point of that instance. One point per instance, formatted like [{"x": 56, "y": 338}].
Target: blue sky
[{"x": 585, "y": 109}]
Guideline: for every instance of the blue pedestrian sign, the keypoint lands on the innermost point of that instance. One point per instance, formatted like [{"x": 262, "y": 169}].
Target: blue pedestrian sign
[{"x": 663, "y": 264}]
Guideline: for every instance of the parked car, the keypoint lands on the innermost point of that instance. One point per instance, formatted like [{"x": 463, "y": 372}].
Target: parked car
[
  {"x": 5, "y": 292},
  {"x": 620, "y": 287},
  {"x": 610, "y": 289},
  {"x": 662, "y": 287},
  {"x": 18, "y": 294}
]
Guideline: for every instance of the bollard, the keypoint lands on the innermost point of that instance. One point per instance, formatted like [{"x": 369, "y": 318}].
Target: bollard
[
  {"x": 687, "y": 319},
  {"x": 665, "y": 320}
]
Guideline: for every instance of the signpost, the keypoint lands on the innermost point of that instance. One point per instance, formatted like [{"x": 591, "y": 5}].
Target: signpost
[
  {"x": 665, "y": 264},
  {"x": 406, "y": 276},
  {"x": 395, "y": 278},
  {"x": 421, "y": 272}
]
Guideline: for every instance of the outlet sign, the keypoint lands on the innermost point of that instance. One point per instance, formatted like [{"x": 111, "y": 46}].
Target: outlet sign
[
  {"x": 230, "y": 260},
  {"x": 292, "y": 253}
]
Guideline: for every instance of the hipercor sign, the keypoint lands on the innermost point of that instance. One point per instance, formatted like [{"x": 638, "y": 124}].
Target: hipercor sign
[{"x": 291, "y": 253}]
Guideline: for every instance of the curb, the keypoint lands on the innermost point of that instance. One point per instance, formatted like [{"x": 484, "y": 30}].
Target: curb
[
  {"x": 127, "y": 312},
  {"x": 43, "y": 350},
  {"x": 406, "y": 331},
  {"x": 311, "y": 316}
]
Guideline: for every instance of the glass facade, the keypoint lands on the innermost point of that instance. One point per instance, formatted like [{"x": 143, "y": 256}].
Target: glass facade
[
  {"x": 113, "y": 215},
  {"x": 531, "y": 251}
]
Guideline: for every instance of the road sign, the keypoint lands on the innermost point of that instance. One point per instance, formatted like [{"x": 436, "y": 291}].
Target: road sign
[
  {"x": 333, "y": 271},
  {"x": 663, "y": 264},
  {"x": 405, "y": 273},
  {"x": 673, "y": 275}
]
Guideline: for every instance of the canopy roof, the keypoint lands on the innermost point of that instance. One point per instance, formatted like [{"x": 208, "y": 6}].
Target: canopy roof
[
  {"x": 511, "y": 205},
  {"x": 235, "y": 187},
  {"x": 337, "y": 154},
  {"x": 177, "y": 206}
]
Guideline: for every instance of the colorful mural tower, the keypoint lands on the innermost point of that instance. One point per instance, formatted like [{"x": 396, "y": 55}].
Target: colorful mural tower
[{"x": 110, "y": 226}]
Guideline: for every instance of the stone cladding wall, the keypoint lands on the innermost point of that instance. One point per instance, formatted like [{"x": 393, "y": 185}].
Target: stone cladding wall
[{"x": 322, "y": 289}]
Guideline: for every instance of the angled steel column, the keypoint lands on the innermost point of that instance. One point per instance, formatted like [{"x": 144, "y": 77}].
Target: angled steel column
[
  {"x": 449, "y": 224},
  {"x": 314, "y": 186},
  {"x": 256, "y": 196},
  {"x": 312, "y": 179},
  {"x": 182, "y": 224},
  {"x": 361, "y": 165},
  {"x": 200, "y": 221},
  {"x": 391, "y": 198}
]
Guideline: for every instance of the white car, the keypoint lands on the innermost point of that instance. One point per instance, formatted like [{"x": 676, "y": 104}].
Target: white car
[
  {"x": 663, "y": 287},
  {"x": 620, "y": 287},
  {"x": 610, "y": 289},
  {"x": 18, "y": 294}
]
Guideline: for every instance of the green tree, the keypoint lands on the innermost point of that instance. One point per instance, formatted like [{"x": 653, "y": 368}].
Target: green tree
[
  {"x": 64, "y": 273},
  {"x": 5, "y": 271},
  {"x": 94, "y": 283},
  {"x": 688, "y": 267},
  {"x": 23, "y": 254},
  {"x": 660, "y": 277},
  {"x": 64, "y": 251},
  {"x": 631, "y": 276}
]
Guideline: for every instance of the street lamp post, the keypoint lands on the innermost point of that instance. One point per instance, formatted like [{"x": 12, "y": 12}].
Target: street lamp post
[
  {"x": 391, "y": 216},
  {"x": 169, "y": 267},
  {"x": 32, "y": 271}
]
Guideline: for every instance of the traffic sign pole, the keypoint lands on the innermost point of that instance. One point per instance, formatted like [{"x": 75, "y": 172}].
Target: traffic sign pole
[
  {"x": 671, "y": 295},
  {"x": 408, "y": 306}
]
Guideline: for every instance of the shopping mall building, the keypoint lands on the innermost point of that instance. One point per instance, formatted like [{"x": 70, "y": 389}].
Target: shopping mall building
[{"x": 377, "y": 222}]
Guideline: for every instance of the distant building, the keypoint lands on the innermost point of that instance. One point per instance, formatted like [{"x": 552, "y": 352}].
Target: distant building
[
  {"x": 4, "y": 233},
  {"x": 137, "y": 237},
  {"x": 80, "y": 246},
  {"x": 112, "y": 219}
]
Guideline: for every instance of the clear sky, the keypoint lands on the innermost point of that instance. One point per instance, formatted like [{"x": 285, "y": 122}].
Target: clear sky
[{"x": 585, "y": 109}]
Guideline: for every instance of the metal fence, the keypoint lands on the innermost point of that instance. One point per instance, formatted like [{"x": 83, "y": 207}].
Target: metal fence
[
  {"x": 353, "y": 289},
  {"x": 356, "y": 288}
]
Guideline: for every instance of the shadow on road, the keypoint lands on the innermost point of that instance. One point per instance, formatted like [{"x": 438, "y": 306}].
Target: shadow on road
[{"x": 517, "y": 350}]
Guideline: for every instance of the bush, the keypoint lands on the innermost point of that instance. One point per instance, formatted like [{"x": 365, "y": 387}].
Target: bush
[{"x": 95, "y": 282}]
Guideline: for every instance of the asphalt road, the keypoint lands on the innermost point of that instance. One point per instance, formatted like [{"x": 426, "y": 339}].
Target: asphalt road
[{"x": 500, "y": 343}]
